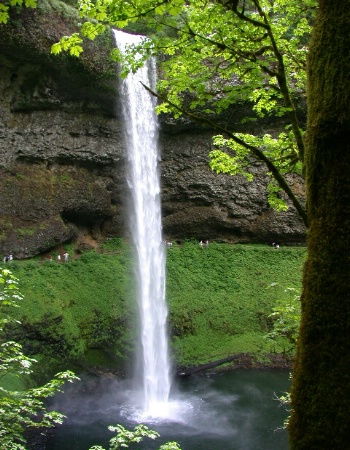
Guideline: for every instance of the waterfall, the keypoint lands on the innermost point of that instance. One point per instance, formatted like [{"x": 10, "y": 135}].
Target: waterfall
[{"x": 141, "y": 129}]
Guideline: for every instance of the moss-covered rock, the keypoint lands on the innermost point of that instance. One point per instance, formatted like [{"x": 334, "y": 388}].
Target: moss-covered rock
[{"x": 45, "y": 207}]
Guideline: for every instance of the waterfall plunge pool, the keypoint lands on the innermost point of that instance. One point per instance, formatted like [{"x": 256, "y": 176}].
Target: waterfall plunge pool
[{"x": 234, "y": 410}]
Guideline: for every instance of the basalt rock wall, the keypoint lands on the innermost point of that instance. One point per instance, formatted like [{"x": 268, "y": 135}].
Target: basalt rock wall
[{"x": 63, "y": 158}]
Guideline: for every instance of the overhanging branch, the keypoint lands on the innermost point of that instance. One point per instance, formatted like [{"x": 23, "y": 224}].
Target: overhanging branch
[{"x": 255, "y": 151}]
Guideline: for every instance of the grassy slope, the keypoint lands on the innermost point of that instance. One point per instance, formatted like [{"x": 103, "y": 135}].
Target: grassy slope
[
  {"x": 222, "y": 296},
  {"x": 78, "y": 305},
  {"x": 219, "y": 299}
]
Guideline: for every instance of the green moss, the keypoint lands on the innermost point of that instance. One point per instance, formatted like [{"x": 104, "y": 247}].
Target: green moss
[
  {"x": 321, "y": 381},
  {"x": 22, "y": 232}
]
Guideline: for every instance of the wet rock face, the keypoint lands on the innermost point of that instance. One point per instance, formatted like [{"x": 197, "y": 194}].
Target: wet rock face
[
  {"x": 62, "y": 161},
  {"x": 63, "y": 175}
]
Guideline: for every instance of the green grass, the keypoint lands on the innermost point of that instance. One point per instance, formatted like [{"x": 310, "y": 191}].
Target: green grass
[
  {"x": 68, "y": 308},
  {"x": 219, "y": 300}
]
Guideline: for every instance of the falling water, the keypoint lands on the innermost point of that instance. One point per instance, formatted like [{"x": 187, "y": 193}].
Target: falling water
[{"x": 141, "y": 129}]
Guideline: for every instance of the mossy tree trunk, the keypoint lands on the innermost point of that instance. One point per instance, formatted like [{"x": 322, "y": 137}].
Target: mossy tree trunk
[{"x": 321, "y": 379}]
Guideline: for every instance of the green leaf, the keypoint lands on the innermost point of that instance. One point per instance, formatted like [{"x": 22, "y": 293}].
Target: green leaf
[
  {"x": 4, "y": 16},
  {"x": 31, "y": 3},
  {"x": 92, "y": 30}
]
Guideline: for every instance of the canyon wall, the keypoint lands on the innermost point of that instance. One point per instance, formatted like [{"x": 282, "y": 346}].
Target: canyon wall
[{"x": 62, "y": 156}]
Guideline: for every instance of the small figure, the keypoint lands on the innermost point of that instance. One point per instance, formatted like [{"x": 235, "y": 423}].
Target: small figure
[
  {"x": 58, "y": 258},
  {"x": 5, "y": 259},
  {"x": 206, "y": 243},
  {"x": 201, "y": 243},
  {"x": 66, "y": 256},
  {"x": 10, "y": 258}
]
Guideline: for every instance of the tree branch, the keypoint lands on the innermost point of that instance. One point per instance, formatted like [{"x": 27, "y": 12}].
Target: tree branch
[
  {"x": 256, "y": 152},
  {"x": 282, "y": 81}
]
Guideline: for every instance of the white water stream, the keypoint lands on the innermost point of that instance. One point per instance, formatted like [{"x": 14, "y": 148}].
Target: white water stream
[
  {"x": 141, "y": 129},
  {"x": 229, "y": 411}
]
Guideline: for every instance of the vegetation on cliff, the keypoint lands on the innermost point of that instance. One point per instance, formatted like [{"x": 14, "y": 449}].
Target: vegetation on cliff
[{"x": 220, "y": 298}]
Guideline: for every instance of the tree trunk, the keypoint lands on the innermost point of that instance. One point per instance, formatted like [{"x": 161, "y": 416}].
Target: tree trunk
[{"x": 320, "y": 416}]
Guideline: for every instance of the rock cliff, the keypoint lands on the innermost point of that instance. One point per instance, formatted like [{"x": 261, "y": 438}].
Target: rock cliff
[{"x": 62, "y": 156}]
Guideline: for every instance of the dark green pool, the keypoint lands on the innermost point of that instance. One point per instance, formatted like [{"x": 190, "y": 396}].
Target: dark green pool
[{"x": 230, "y": 411}]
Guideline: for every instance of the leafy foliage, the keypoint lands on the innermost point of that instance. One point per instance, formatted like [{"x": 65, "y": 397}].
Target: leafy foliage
[
  {"x": 286, "y": 317},
  {"x": 73, "y": 43},
  {"x": 5, "y": 6},
  {"x": 286, "y": 322},
  {"x": 125, "y": 437},
  {"x": 20, "y": 410},
  {"x": 217, "y": 54}
]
